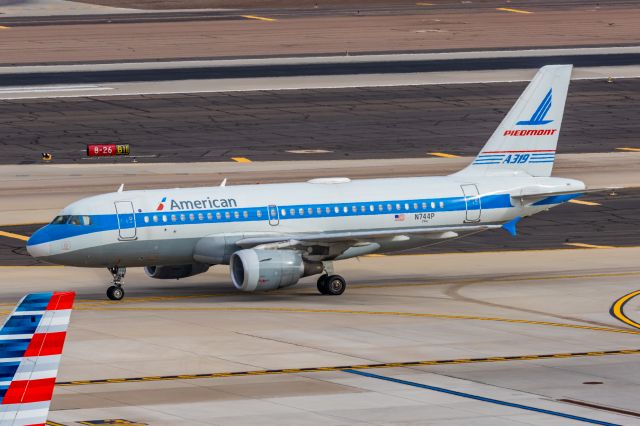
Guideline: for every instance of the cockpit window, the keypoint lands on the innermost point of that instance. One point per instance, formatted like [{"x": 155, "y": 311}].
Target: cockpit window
[
  {"x": 60, "y": 220},
  {"x": 72, "y": 220}
]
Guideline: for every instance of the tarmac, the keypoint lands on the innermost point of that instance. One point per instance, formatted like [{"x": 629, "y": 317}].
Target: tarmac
[{"x": 498, "y": 341}]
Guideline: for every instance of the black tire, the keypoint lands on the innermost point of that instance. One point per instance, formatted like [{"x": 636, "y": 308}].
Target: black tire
[
  {"x": 336, "y": 285},
  {"x": 115, "y": 292},
  {"x": 322, "y": 284}
]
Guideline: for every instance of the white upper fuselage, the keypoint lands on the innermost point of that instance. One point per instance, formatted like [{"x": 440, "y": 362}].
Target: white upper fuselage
[{"x": 163, "y": 227}]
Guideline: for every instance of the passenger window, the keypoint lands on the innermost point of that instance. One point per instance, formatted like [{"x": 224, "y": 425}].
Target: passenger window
[
  {"x": 415, "y": 206},
  {"x": 164, "y": 218},
  {"x": 227, "y": 215},
  {"x": 283, "y": 212},
  {"x": 292, "y": 212},
  {"x": 433, "y": 205},
  {"x": 155, "y": 219},
  {"x": 259, "y": 213},
  {"x": 397, "y": 206},
  {"x": 345, "y": 209},
  {"x": 389, "y": 207},
  {"x": 310, "y": 211},
  {"x": 183, "y": 218},
  {"x": 319, "y": 210},
  {"x": 218, "y": 215},
  {"x": 192, "y": 217},
  {"x": 236, "y": 214},
  {"x": 354, "y": 209},
  {"x": 245, "y": 214},
  {"x": 200, "y": 217},
  {"x": 380, "y": 208},
  {"x": 406, "y": 206},
  {"x": 209, "y": 216},
  {"x": 301, "y": 212},
  {"x": 441, "y": 204},
  {"x": 371, "y": 208},
  {"x": 336, "y": 209},
  {"x": 173, "y": 218},
  {"x": 424, "y": 206},
  {"x": 363, "y": 208},
  {"x": 327, "y": 210},
  {"x": 273, "y": 212},
  {"x": 146, "y": 219}
]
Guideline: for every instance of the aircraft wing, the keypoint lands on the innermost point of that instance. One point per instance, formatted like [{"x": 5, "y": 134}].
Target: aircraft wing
[
  {"x": 289, "y": 240},
  {"x": 32, "y": 340}
]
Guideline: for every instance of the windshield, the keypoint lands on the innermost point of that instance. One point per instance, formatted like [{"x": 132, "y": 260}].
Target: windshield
[{"x": 72, "y": 220}]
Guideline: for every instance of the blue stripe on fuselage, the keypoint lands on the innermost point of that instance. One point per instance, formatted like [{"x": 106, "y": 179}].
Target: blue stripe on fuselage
[{"x": 109, "y": 222}]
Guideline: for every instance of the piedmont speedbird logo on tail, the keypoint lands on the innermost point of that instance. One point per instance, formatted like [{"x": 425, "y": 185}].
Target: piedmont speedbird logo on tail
[
  {"x": 161, "y": 205},
  {"x": 537, "y": 119}
]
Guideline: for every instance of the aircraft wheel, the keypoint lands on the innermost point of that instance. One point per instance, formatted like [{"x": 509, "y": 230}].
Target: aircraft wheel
[
  {"x": 336, "y": 285},
  {"x": 115, "y": 292},
  {"x": 323, "y": 284}
]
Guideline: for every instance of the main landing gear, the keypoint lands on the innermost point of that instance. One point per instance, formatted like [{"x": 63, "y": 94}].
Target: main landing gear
[
  {"x": 116, "y": 292},
  {"x": 333, "y": 285}
]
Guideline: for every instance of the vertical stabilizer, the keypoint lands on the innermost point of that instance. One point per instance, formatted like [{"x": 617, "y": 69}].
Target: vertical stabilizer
[
  {"x": 31, "y": 343},
  {"x": 526, "y": 139}
]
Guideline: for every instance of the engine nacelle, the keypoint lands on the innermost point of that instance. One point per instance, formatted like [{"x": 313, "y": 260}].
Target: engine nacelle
[
  {"x": 257, "y": 270},
  {"x": 168, "y": 272}
]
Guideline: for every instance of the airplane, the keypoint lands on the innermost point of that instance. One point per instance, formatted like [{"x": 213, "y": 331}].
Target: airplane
[
  {"x": 273, "y": 235},
  {"x": 31, "y": 342}
]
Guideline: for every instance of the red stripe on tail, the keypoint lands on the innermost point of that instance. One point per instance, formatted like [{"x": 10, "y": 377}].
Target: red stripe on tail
[
  {"x": 43, "y": 344},
  {"x": 61, "y": 300},
  {"x": 25, "y": 391}
]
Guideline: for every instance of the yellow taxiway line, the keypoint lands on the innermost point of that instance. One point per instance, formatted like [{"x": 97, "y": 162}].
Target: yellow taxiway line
[
  {"x": 588, "y": 246},
  {"x": 259, "y": 18},
  {"x": 241, "y": 159},
  {"x": 506, "y": 9},
  {"x": 12, "y": 235},
  {"x": 584, "y": 203},
  {"x": 114, "y": 307},
  {"x": 617, "y": 309},
  {"x": 443, "y": 155},
  {"x": 350, "y": 367}
]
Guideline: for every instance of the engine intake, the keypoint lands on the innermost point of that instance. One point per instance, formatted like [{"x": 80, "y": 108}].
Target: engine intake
[
  {"x": 168, "y": 272},
  {"x": 257, "y": 270}
]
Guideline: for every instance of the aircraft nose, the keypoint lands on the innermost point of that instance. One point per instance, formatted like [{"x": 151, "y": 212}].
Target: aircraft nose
[{"x": 38, "y": 244}]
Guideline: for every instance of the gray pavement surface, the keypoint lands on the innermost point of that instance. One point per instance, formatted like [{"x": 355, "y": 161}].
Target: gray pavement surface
[
  {"x": 397, "y": 309},
  {"x": 350, "y": 123}
]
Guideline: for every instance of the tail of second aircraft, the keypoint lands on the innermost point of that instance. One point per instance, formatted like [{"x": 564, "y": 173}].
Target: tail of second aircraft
[
  {"x": 31, "y": 343},
  {"x": 526, "y": 139}
]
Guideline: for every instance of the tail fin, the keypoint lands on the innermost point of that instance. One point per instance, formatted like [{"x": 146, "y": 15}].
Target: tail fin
[
  {"x": 31, "y": 343},
  {"x": 526, "y": 139}
]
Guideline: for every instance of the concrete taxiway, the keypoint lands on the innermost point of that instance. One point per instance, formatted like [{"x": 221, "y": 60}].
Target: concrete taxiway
[{"x": 487, "y": 340}]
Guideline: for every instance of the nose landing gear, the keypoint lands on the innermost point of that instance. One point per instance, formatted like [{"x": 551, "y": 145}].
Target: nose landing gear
[{"x": 116, "y": 292}]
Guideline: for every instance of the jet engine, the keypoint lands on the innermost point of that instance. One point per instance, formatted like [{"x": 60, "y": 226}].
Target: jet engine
[
  {"x": 168, "y": 272},
  {"x": 256, "y": 270}
]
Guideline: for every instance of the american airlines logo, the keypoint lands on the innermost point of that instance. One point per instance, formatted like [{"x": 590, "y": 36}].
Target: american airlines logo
[
  {"x": 205, "y": 203},
  {"x": 537, "y": 119}
]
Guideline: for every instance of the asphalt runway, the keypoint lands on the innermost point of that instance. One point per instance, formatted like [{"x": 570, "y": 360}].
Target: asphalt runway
[
  {"x": 604, "y": 221},
  {"x": 423, "y": 28},
  {"x": 479, "y": 338},
  {"x": 151, "y": 74},
  {"x": 353, "y": 123}
]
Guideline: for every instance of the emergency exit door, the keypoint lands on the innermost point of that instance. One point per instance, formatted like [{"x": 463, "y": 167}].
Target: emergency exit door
[{"x": 472, "y": 202}]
